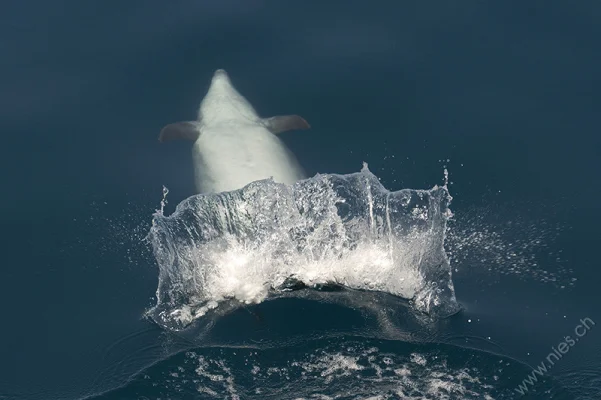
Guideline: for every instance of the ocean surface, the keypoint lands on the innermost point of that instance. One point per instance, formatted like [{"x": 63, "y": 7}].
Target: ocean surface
[{"x": 444, "y": 245}]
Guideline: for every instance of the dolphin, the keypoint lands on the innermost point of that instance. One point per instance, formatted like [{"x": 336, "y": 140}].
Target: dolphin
[{"x": 233, "y": 146}]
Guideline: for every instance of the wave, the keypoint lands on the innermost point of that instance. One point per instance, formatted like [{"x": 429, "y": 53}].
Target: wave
[{"x": 330, "y": 231}]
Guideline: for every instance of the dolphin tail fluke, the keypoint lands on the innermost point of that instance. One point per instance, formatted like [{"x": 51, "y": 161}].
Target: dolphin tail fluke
[
  {"x": 179, "y": 130},
  {"x": 283, "y": 123}
]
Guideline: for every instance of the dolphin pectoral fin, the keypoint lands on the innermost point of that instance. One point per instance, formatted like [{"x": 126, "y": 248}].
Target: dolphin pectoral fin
[
  {"x": 283, "y": 123},
  {"x": 179, "y": 130}
]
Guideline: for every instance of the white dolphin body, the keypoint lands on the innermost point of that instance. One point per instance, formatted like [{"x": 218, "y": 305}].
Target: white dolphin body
[{"x": 233, "y": 146}]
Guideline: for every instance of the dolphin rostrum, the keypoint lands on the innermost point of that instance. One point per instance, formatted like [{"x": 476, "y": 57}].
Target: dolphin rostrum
[{"x": 233, "y": 146}]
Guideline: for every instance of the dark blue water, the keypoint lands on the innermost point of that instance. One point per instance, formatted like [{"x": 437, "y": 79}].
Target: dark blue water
[{"x": 504, "y": 95}]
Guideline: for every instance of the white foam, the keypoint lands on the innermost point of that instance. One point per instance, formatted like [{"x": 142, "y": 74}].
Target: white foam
[{"x": 351, "y": 372}]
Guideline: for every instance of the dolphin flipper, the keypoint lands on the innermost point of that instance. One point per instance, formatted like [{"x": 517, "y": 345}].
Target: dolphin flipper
[
  {"x": 283, "y": 123},
  {"x": 179, "y": 130}
]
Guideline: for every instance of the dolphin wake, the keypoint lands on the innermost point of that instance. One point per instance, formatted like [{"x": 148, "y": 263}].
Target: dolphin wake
[{"x": 268, "y": 238}]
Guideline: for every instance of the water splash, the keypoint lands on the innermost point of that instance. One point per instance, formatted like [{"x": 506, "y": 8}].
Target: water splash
[
  {"x": 163, "y": 201},
  {"x": 268, "y": 237},
  {"x": 479, "y": 241}
]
